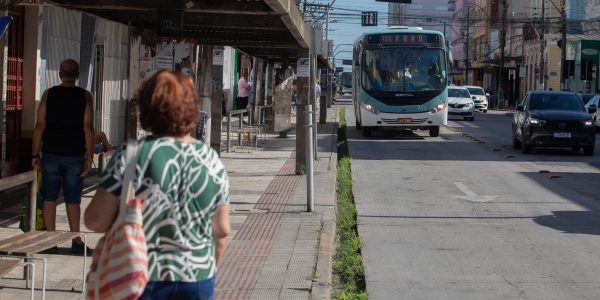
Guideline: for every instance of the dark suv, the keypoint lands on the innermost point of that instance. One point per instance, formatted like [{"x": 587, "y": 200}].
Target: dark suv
[{"x": 553, "y": 119}]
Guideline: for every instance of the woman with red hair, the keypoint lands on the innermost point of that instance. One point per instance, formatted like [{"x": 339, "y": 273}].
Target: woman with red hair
[{"x": 185, "y": 190}]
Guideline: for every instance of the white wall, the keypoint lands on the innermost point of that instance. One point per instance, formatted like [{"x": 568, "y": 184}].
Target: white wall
[{"x": 115, "y": 89}]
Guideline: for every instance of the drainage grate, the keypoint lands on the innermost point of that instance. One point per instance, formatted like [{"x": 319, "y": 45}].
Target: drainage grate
[{"x": 248, "y": 211}]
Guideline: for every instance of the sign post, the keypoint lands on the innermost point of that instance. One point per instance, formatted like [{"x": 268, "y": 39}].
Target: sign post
[{"x": 369, "y": 18}]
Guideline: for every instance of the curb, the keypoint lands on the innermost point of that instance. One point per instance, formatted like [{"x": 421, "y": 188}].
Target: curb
[{"x": 322, "y": 284}]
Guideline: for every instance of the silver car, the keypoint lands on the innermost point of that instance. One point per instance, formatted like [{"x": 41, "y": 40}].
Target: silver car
[{"x": 460, "y": 103}]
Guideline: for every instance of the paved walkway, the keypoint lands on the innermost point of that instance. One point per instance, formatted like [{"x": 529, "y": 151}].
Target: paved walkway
[{"x": 277, "y": 250}]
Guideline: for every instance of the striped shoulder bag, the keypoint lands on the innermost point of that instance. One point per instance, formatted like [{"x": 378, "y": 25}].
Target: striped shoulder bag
[{"x": 120, "y": 262}]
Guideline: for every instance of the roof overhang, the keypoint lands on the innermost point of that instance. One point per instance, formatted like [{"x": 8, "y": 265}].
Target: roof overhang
[{"x": 271, "y": 29}]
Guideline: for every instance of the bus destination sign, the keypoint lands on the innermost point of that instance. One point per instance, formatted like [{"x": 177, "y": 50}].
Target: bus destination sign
[{"x": 404, "y": 39}]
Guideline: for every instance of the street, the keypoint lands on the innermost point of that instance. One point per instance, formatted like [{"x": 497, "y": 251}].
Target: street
[{"x": 465, "y": 216}]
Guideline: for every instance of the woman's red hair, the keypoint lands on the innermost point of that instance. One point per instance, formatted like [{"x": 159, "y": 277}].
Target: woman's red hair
[{"x": 168, "y": 104}]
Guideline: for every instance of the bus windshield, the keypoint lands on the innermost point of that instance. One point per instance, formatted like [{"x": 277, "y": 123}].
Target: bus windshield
[{"x": 404, "y": 69}]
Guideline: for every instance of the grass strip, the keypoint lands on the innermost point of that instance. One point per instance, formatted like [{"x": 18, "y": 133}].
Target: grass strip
[{"x": 347, "y": 261}]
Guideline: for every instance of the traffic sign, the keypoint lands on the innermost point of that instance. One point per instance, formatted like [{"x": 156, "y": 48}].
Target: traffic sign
[
  {"x": 369, "y": 18},
  {"x": 347, "y": 62},
  {"x": 339, "y": 69}
]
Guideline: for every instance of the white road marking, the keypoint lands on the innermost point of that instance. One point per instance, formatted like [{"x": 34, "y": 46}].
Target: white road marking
[{"x": 472, "y": 196}]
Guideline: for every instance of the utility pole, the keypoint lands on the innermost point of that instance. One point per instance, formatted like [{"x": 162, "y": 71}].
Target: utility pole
[
  {"x": 563, "y": 55},
  {"x": 467, "y": 50},
  {"x": 542, "y": 45},
  {"x": 502, "y": 44}
]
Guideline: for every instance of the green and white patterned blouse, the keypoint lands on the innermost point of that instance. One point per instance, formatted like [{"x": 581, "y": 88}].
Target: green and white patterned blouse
[{"x": 182, "y": 184}]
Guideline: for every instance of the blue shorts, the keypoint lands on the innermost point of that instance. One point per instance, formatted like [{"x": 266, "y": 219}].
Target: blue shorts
[
  {"x": 62, "y": 171},
  {"x": 201, "y": 290}
]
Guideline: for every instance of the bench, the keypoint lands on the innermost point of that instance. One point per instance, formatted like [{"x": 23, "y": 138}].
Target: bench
[
  {"x": 7, "y": 265},
  {"x": 249, "y": 133},
  {"x": 24, "y": 246}
]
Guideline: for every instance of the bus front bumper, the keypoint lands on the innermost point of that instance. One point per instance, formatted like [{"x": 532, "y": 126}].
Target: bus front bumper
[{"x": 421, "y": 120}]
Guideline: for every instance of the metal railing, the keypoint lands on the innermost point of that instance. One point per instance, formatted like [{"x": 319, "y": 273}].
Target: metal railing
[{"x": 28, "y": 178}]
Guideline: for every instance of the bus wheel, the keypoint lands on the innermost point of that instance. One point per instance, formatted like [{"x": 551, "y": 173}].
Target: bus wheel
[
  {"x": 367, "y": 131},
  {"x": 434, "y": 131}
]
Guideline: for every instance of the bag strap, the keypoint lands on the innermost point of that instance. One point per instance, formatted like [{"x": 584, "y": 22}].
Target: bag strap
[{"x": 131, "y": 160}]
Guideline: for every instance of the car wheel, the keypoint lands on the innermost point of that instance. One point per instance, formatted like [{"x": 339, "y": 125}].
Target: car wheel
[
  {"x": 367, "y": 131},
  {"x": 472, "y": 119},
  {"x": 434, "y": 131},
  {"x": 485, "y": 111},
  {"x": 357, "y": 124},
  {"x": 589, "y": 151},
  {"x": 516, "y": 144}
]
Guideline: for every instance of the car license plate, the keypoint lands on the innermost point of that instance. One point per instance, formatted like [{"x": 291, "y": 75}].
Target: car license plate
[
  {"x": 562, "y": 134},
  {"x": 404, "y": 120}
]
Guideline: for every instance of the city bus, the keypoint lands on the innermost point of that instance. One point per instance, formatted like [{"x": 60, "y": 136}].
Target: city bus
[{"x": 400, "y": 80}]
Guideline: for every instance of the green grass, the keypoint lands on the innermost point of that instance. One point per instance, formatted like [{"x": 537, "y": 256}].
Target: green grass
[{"x": 347, "y": 261}]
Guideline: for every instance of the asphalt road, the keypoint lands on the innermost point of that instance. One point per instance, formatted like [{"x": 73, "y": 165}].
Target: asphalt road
[{"x": 464, "y": 216}]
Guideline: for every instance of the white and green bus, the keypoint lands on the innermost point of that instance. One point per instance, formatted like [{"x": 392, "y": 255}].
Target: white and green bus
[{"x": 400, "y": 80}]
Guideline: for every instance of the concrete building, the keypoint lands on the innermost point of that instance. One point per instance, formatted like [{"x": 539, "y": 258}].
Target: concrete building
[{"x": 429, "y": 14}]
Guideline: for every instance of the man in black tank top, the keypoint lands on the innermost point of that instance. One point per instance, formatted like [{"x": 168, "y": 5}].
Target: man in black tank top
[{"x": 65, "y": 132}]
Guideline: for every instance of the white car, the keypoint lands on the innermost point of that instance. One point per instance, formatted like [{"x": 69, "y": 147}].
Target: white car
[
  {"x": 460, "y": 103},
  {"x": 479, "y": 97}
]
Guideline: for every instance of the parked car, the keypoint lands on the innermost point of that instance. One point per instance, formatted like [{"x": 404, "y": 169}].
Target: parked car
[
  {"x": 479, "y": 96},
  {"x": 593, "y": 103},
  {"x": 460, "y": 103},
  {"x": 585, "y": 97},
  {"x": 553, "y": 119}
]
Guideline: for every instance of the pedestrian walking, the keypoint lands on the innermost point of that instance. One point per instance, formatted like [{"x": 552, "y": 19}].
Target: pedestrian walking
[
  {"x": 243, "y": 91},
  {"x": 184, "y": 188},
  {"x": 64, "y": 132}
]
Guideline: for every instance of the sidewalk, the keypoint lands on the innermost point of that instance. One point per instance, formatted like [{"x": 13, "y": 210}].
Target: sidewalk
[{"x": 277, "y": 249}]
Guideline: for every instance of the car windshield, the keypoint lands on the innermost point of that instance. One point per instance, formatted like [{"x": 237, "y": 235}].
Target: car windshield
[
  {"x": 589, "y": 101},
  {"x": 459, "y": 93},
  {"x": 404, "y": 69},
  {"x": 555, "y": 102},
  {"x": 586, "y": 97},
  {"x": 476, "y": 91}
]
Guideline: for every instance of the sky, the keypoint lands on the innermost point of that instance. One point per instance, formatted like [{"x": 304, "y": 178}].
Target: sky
[{"x": 344, "y": 24}]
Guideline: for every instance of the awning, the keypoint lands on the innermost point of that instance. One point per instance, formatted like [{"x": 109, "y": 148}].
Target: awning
[{"x": 271, "y": 29}]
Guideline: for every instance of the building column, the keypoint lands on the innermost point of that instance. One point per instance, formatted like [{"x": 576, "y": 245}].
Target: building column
[
  {"x": 204, "y": 86},
  {"x": 216, "y": 114},
  {"x": 31, "y": 64}
]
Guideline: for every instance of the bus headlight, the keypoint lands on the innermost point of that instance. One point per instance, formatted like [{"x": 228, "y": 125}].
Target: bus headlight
[
  {"x": 370, "y": 107},
  {"x": 438, "y": 107}
]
